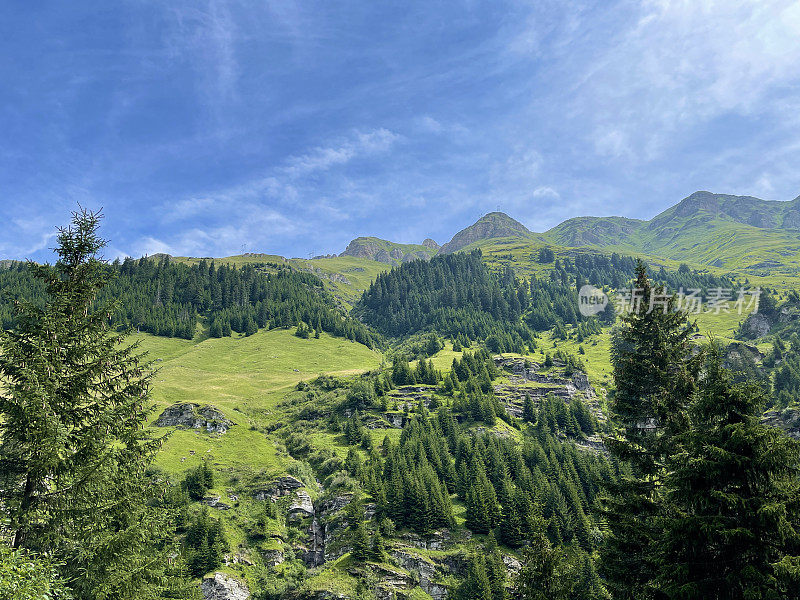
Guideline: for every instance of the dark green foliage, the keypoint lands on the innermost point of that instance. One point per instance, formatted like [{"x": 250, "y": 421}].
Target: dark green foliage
[
  {"x": 453, "y": 295},
  {"x": 733, "y": 525},
  {"x": 362, "y": 394},
  {"x": 198, "y": 481},
  {"x": 545, "y": 255},
  {"x": 476, "y": 583},
  {"x": 528, "y": 410},
  {"x": 402, "y": 373},
  {"x": 205, "y": 544},
  {"x": 655, "y": 373},
  {"x": 557, "y": 573},
  {"x": 483, "y": 510},
  {"x": 167, "y": 298},
  {"x": 73, "y": 480},
  {"x": 354, "y": 429}
]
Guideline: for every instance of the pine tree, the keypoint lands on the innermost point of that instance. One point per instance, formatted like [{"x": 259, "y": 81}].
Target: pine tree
[
  {"x": 528, "y": 410},
  {"x": 250, "y": 327},
  {"x": 655, "y": 373},
  {"x": 476, "y": 583},
  {"x": 733, "y": 529},
  {"x": 495, "y": 569},
  {"x": 73, "y": 403},
  {"x": 361, "y": 546},
  {"x": 548, "y": 573},
  {"x": 378, "y": 549}
]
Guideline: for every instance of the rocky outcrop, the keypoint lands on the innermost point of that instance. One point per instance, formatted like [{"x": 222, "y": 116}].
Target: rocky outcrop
[
  {"x": 493, "y": 225},
  {"x": 429, "y": 243},
  {"x": 282, "y": 486},
  {"x": 188, "y": 415},
  {"x": 272, "y": 558},
  {"x": 438, "y": 540},
  {"x": 388, "y": 252},
  {"x": 788, "y": 420},
  {"x": 224, "y": 587},
  {"x": 756, "y": 325},
  {"x": 214, "y": 502},
  {"x": 301, "y": 506}
]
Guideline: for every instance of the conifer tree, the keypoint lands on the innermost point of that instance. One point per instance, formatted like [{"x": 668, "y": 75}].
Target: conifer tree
[
  {"x": 733, "y": 526},
  {"x": 476, "y": 583},
  {"x": 548, "y": 573},
  {"x": 528, "y": 410},
  {"x": 361, "y": 545},
  {"x": 73, "y": 404},
  {"x": 655, "y": 373}
]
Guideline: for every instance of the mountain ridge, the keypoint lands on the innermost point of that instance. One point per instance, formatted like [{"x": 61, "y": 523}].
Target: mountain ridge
[{"x": 490, "y": 226}]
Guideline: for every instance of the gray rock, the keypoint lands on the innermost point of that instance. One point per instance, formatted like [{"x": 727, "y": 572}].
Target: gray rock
[
  {"x": 757, "y": 325},
  {"x": 188, "y": 415},
  {"x": 425, "y": 570},
  {"x": 492, "y": 225},
  {"x": 283, "y": 486},
  {"x": 301, "y": 505},
  {"x": 213, "y": 502},
  {"x": 788, "y": 420},
  {"x": 223, "y": 587},
  {"x": 272, "y": 558}
]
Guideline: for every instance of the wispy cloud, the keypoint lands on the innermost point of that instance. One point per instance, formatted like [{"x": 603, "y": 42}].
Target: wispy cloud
[{"x": 682, "y": 63}]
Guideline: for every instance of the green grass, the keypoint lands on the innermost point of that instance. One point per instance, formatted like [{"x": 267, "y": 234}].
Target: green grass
[
  {"x": 358, "y": 272},
  {"x": 245, "y": 377}
]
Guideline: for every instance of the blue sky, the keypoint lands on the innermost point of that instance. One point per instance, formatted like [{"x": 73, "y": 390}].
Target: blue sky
[{"x": 211, "y": 127}]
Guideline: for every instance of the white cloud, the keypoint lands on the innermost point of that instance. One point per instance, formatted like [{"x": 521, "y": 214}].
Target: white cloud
[
  {"x": 683, "y": 62},
  {"x": 546, "y": 191},
  {"x": 324, "y": 157},
  {"x": 206, "y": 35},
  {"x": 251, "y": 209}
]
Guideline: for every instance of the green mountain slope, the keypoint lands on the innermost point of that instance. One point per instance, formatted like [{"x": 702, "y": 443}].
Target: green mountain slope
[
  {"x": 740, "y": 233},
  {"x": 491, "y": 226},
  {"x": 388, "y": 252}
]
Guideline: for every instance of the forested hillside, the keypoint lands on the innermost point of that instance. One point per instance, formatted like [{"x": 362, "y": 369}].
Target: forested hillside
[{"x": 168, "y": 299}]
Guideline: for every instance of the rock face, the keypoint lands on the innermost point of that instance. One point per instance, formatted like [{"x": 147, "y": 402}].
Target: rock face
[
  {"x": 388, "y": 252},
  {"x": 282, "y": 486},
  {"x": 429, "y": 243},
  {"x": 757, "y": 325},
  {"x": 224, "y": 587},
  {"x": 187, "y": 415},
  {"x": 302, "y": 505},
  {"x": 788, "y": 420},
  {"x": 493, "y": 225}
]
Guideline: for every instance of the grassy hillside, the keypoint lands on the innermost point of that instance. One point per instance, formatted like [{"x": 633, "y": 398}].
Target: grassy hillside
[
  {"x": 738, "y": 233},
  {"x": 244, "y": 377}
]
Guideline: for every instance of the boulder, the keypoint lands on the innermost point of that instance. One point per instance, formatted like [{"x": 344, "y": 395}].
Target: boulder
[
  {"x": 302, "y": 505},
  {"x": 283, "y": 486},
  {"x": 425, "y": 570},
  {"x": 224, "y": 587},
  {"x": 272, "y": 558},
  {"x": 187, "y": 415}
]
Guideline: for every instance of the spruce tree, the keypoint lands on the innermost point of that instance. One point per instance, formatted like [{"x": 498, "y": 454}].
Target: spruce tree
[
  {"x": 361, "y": 545},
  {"x": 528, "y": 410},
  {"x": 476, "y": 583},
  {"x": 73, "y": 404},
  {"x": 733, "y": 526},
  {"x": 548, "y": 573},
  {"x": 655, "y": 373}
]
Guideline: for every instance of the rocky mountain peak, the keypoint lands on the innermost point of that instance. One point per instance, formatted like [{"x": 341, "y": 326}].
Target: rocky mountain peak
[{"x": 491, "y": 225}]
